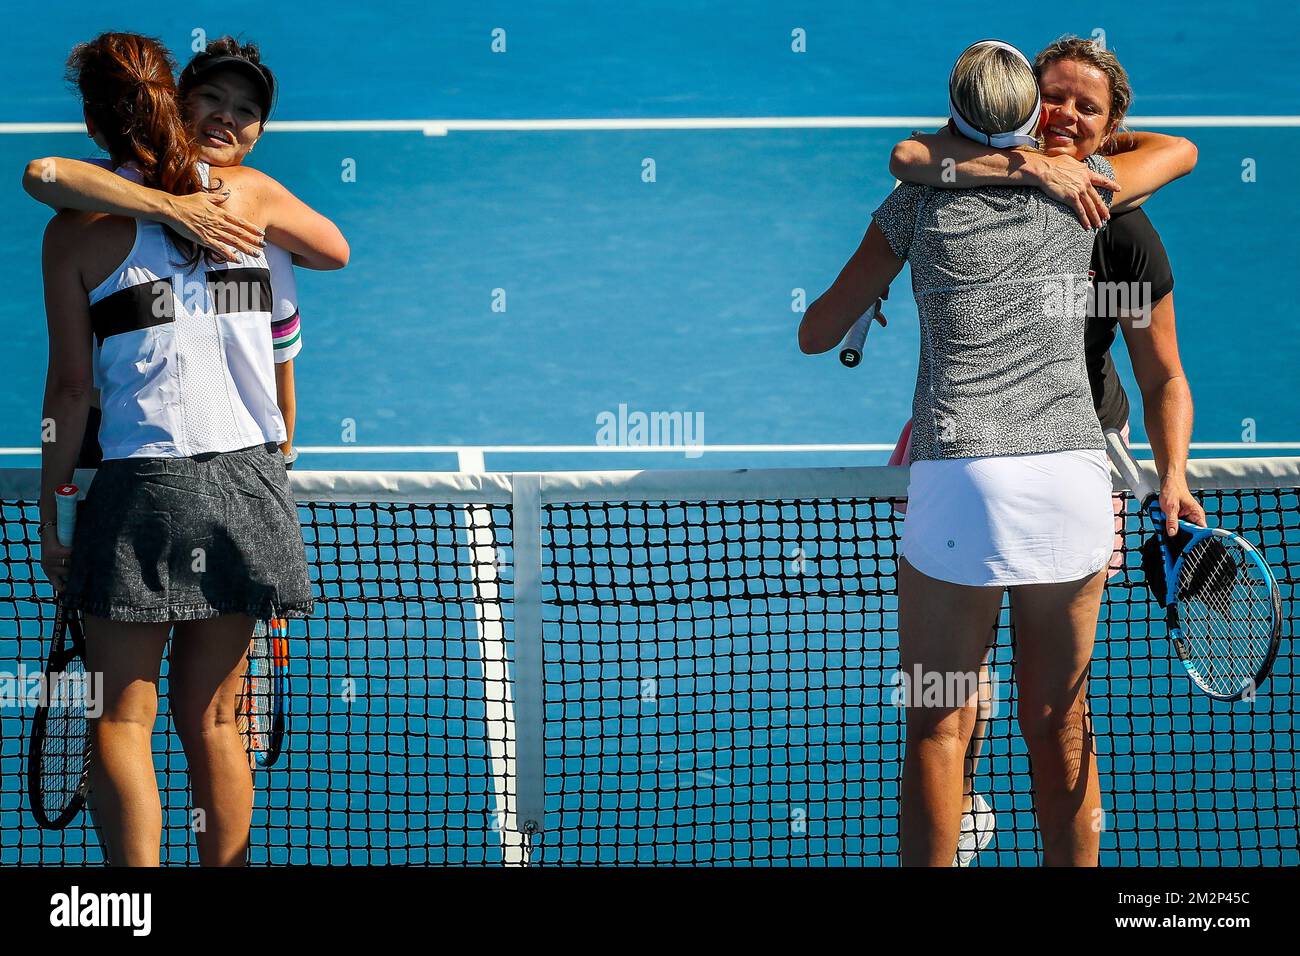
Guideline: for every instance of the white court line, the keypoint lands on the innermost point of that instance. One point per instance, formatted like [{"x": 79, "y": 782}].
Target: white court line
[
  {"x": 480, "y": 450},
  {"x": 498, "y": 694},
  {"x": 441, "y": 127},
  {"x": 715, "y": 449}
]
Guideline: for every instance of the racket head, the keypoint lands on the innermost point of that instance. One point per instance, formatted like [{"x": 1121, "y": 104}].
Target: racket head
[
  {"x": 253, "y": 708},
  {"x": 278, "y": 634},
  {"x": 1225, "y": 613},
  {"x": 260, "y": 711},
  {"x": 58, "y": 760}
]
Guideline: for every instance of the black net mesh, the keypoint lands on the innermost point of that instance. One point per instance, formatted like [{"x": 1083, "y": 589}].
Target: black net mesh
[{"x": 719, "y": 686}]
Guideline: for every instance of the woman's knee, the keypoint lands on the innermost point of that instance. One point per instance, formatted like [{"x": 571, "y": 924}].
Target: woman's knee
[
  {"x": 941, "y": 727},
  {"x": 206, "y": 674},
  {"x": 136, "y": 720},
  {"x": 134, "y": 707},
  {"x": 1053, "y": 724},
  {"x": 196, "y": 720}
]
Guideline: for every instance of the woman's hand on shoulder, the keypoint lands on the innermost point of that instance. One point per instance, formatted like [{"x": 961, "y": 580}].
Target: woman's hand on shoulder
[
  {"x": 202, "y": 218},
  {"x": 312, "y": 239},
  {"x": 1062, "y": 177}
]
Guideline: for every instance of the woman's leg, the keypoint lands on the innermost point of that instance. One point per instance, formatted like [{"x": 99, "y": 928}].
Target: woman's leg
[
  {"x": 943, "y": 635},
  {"x": 979, "y": 733},
  {"x": 1056, "y": 625},
  {"x": 126, "y": 803},
  {"x": 207, "y": 668}
]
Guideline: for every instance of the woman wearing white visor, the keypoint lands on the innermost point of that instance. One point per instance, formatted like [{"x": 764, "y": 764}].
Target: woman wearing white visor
[
  {"x": 1010, "y": 486},
  {"x": 1086, "y": 95}
]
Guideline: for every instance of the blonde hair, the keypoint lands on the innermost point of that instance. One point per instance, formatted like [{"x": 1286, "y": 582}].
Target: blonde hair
[
  {"x": 993, "y": 88},
  {"x": 1087, "y": 51}
]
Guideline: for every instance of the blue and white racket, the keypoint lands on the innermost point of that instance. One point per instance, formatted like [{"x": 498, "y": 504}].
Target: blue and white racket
[{"x": 1221, "y": 599}]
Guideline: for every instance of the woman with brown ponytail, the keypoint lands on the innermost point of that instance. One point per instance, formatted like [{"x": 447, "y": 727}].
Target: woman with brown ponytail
[
  {"x": 188, "y": 529},
  {"x": 226, "y": 94}
]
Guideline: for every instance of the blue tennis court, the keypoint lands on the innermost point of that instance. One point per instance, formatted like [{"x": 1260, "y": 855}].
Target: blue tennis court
[{"x": 676, "y": 295}]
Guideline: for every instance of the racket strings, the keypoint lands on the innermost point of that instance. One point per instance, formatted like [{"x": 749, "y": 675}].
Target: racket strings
[
  {"x": 260, "y": 697},
  {"x": 1226, "y": 613},
  {"x": 65, "y": 741},
  {"x": 256, "y": 698}
]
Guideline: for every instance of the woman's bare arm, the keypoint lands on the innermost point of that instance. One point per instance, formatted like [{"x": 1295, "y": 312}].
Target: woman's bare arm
[
  {"x": 1167, "y": 405},
  {"x": 71, "y": 184},
  {"x": 948, "y": 161},
  {"x": 68, "y": 380},
  {"x": 1144, "y": 162},
  {"x": 312, "y": 239},
  {"x": 1148, "y": 161},
  {"x": 286, "y": 397},
  {"x": 864, "y": 279}
]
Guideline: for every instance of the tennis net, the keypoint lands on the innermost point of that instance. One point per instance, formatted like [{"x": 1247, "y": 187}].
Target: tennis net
[{"x": 687, "y": 668}]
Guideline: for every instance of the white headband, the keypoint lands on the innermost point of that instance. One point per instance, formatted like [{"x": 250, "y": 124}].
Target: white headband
[{"x": 1023, "y": 136}]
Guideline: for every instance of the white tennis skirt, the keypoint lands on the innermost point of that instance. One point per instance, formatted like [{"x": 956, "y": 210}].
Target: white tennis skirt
[{"x": 1016, "y": 519}]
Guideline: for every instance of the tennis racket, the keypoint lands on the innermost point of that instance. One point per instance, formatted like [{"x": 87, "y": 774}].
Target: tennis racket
[
  {"x": 851, "y": 349},
  {"x": 260, "y": 711},
  {"x": 1221, "y": 599},
  {"x": 58, "y": 759}
]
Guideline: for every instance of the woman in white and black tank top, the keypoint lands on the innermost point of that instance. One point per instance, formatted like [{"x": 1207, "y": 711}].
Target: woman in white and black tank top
[
  {"x": 188, "y": 528},
  {"x": 1010, "y": 483},
  {"x": 227, "y": 93}
]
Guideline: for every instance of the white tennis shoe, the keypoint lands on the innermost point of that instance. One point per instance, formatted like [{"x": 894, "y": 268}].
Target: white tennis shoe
[{"x": 976, "y": 831}]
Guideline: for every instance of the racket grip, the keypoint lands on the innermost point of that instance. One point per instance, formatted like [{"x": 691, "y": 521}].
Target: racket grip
[
  {"x": 1129, "y": 470},
  {"x": 851, "y": 351},
  {"x": 65, "y": 513}
]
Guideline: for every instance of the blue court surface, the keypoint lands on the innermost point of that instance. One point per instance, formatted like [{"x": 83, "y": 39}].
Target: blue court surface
[{"x": 676, "y": 295}]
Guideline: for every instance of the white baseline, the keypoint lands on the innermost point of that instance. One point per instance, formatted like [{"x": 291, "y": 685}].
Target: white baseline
[{"x": 441, "y": 127}]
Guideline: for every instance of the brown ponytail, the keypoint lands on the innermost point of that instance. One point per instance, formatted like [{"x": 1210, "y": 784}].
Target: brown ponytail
[{"x": 127, "y": 87}]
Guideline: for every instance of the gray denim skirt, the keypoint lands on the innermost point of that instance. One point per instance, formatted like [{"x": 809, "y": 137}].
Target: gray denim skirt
[{"x": 181, "y": 539}]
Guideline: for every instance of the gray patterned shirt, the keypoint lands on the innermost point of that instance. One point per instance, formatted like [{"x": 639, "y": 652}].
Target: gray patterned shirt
[{"x": 1000, "y": 275}]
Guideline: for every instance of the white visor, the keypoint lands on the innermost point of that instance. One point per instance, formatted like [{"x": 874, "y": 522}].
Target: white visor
[{"x": 1024, "y": 136}]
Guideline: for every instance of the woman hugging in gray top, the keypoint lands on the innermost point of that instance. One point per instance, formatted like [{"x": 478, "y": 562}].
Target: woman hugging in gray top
[
  {"x": 1000, "y": 276},
  {"x": 1010, "y": 485}
]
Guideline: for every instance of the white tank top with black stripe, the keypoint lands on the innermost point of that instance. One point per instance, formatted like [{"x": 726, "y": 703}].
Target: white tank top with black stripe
[{"x": 183, "y": 357}]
